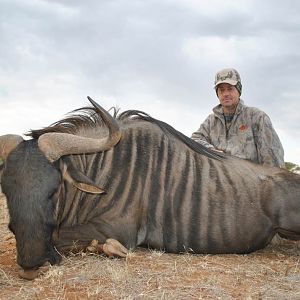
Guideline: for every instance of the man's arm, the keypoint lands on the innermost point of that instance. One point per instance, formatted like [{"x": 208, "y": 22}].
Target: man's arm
[
  {"x": 269, "y": 148},
  {"x": 202, "y": 135}
]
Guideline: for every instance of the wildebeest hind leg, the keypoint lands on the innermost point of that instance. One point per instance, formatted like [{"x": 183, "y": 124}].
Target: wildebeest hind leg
[{"x": 289, "y": 235}]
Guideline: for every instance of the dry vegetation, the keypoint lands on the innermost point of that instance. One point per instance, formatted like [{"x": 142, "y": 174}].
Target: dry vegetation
[{"x": 273, "y": 273}]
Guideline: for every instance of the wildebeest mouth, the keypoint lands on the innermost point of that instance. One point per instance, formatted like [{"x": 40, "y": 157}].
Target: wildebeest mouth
[
  {"x": 39, "y": 268},
  {"x": 31, "y": 274}
]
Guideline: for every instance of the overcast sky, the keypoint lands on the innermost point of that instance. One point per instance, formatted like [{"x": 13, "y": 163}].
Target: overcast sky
[{"x": 158, "y": 56}]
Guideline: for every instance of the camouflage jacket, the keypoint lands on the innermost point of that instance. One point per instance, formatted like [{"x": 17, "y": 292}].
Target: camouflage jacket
[{"x": 250, "y": 136}]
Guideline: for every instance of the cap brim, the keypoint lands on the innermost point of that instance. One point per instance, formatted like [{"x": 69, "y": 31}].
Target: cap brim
[{"x": 229, "y": 81}]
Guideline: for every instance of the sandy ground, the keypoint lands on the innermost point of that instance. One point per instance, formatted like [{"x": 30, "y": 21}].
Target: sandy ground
[{"x": 272, "y": 273}]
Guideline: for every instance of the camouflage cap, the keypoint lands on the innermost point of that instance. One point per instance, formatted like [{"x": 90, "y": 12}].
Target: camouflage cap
[{"x": 230, "y": 76}]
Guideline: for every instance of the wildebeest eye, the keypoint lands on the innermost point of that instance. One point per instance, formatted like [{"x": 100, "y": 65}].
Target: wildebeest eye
[{"x": 51, "y": 194}]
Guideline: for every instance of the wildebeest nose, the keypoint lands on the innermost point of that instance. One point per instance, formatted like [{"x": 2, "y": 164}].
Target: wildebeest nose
[{"x": 31, "y": 274}]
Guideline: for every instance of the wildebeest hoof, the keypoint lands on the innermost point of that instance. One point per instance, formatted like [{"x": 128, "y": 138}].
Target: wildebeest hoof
[
  {"x": 113, "y": 247},
  {"x": 94, "y": 247}
]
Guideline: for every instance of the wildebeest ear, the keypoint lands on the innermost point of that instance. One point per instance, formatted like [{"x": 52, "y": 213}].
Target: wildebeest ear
[{"x": 79, "y": 180}]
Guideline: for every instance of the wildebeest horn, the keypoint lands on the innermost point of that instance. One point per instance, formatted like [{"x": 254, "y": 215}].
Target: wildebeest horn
[
  {"x": 54, "y": 144},
  {"x": 8, "y": 143}
]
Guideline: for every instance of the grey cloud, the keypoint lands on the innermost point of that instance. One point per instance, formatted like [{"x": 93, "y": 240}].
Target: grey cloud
[{"x": 116, "y": 48}]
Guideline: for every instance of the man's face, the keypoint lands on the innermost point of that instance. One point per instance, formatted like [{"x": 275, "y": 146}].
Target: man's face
[{"x": 228, "y": 95}]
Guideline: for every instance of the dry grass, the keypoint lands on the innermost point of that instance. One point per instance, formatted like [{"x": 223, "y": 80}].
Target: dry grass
[{"x": 272, "y": 273}]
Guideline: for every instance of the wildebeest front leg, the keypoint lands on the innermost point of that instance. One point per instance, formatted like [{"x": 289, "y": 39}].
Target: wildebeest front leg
[
  {"x": 85, "y": 237},
  {"x": 111, "y": 248}
]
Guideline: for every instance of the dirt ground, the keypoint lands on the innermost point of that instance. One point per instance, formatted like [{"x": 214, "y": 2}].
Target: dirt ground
[{"x": 272, "y": 273}]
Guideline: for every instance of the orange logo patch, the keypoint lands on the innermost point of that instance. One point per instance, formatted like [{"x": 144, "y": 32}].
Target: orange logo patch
[{"x": 243, "y": 127}]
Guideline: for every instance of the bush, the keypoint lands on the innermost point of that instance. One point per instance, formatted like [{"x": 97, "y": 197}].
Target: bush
[{"x": 292, "y": 167}]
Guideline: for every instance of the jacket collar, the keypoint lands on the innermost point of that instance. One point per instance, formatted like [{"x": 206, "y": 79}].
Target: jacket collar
[{"x": 218, "y": 110}]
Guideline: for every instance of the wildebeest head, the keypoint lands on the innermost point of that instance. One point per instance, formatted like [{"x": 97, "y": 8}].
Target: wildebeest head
[{"x": 31, "y": 181}]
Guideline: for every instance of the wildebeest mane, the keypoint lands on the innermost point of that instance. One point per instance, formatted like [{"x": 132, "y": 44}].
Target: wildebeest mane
[
  {"x": 197, "y": 147},
  {"x": 86, "y": 118}
]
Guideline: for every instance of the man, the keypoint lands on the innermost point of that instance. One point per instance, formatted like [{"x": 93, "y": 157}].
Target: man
[{"x": 237, "y": 129}]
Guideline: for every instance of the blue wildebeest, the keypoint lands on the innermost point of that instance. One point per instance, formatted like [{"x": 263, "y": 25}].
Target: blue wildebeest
[{"x": 128, "y": 181}]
